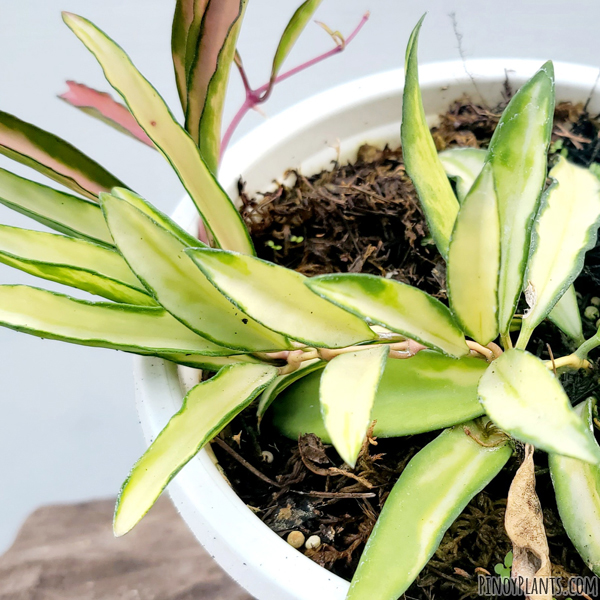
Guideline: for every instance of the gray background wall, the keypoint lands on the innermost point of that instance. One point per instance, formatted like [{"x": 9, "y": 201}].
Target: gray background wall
[{"x": 68, "y": 427}]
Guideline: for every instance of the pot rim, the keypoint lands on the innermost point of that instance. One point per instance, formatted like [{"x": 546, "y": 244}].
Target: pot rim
[{"x": 242, "y": 544}]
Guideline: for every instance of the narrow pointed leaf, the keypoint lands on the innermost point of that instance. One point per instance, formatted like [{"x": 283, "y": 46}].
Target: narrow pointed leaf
[
  {"x": 463, "y": 165},
  {"x": 159, "y": 260},
  {"x": 518, "y": 157},
  {"x": 62, "y": 212},
  {"x": 525, "y": 399},
  {"x": 283, "y": 382},
  {"x": 279, "y": 299},
  {"x": 53, "y": 157},
  {"x": 153, "y": 115},
  {"x": 421, "y": 158},
  {"x": 209, "y": 74},
  {"x": 565, "y": 229},
  {"x": 292, "y": 32},
  {"x": 473, "y": 261},
  {"x": 566, "y": 316},
  {"x": 348, "y": 389},
  {"x": 577, "y": 488},
  {"x": 426, "y": 392},
  {"x": 138, "y": 329},
  {"x": 209, "y": 363},
  {"x": 397, "y": 306},
  {"x": 72, "y": 262},
  {"x": 102, "y": 106},
  {"x": 157, "y": 216},
  {"x": 206, "y": 409},
  {"x": 432, "y": 491},
  {"x": 186, "y": 26}
]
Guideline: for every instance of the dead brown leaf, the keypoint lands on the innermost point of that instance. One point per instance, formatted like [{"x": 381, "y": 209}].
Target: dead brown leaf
[{"x": 525, "y": 527}]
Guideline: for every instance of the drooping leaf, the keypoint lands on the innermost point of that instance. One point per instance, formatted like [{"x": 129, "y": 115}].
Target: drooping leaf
[
  {"x": 524, "y": 524},
  {"x": 565, "y": 229},
  {"x": 348, "y": 389},
  {"x": 431, "y": 493},
  {"x": 102, "y": 106},
  {"x": 420, "y": 155},
  {"x": 518, "y": 156},
  {"x": 279, "y": 298},
  {"x": 206, "y": 409},
  {"x": 152, "y": 114},
  {"x": 463, "y": 165},
  {"x": 62, "y": 212},
  {"x": 292, "y": 32},
  {"x": 397, "y": 306},
  {"x": 209, "y": 74},
  {"x": 577, "y": 488},
  {"x": 157, "y": 216},
  {"x": 566, "y": 316},
  {"x": 53, "y": 157},
  {"x": 283, "y": 382},
  {"x": 138, "y": 329},
  {"x": 474, "y": 259},
  {"x": 525, "y": 399},
  {"x": 77, "y": 263},
  {"x": 159, "y": 260},
  {"x": 426, "y": 392}
]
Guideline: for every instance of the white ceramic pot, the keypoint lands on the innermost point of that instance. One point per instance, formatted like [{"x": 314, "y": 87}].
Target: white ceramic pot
[{"x": 308, "y": 137}]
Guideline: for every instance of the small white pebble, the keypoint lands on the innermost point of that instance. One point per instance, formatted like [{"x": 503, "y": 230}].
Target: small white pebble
[
  {"x": 267, "y": 456},
  {"x": 591, "y": 313},
  {"x": 595, "y": 301},
  {"x": 313, "y": 542},
  {"x": 295, "y": 539}
]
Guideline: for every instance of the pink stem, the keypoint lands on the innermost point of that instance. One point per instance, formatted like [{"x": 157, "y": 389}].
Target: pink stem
[{"x": 260, "y": 95}]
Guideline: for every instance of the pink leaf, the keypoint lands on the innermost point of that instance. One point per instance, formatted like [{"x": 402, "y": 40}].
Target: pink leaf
[{"x": 102, "y": 106}]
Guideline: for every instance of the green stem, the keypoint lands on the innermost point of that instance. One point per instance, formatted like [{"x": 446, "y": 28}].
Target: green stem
[
  {"x": 523, "y": 337},
  {"x": 588, "y": 346}
]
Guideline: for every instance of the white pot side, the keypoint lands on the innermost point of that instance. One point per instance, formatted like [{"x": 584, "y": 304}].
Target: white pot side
[{"x": 308, "y": 137}]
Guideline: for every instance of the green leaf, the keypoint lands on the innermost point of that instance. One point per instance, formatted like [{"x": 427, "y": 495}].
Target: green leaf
[
  {"x": 157, "y": 216},
  {"x": 426, "y": 392},
  {"x": 80, "y": 264},
  {"x": 473, "y": 261},
  {"x": 159, "y": 260},
  {"x": 292, "y": 32},
  {"x": 432, "y": 491},
  {"x": 210, "y": 363},
  {"x": 153, "y": 115},
  {"x": 463, "y": 165},
  {"x": 566, "y": 316},
  {"x": 283, "y": 382},
  {"x": 59, "y": 211},
  {"x": 206, "y": 409},
  {"x": 518, "y": 157},
  {"x": 209, "y": 75},
  {"x": 396, "y": 306},
  {"x": 186, "y": 27},
  {"x": 525, "y": 399},
  {"x": 137, "y": 329},
  {"x": 565, "y": 229},
  {"x": 53, "y": 157},
  {"x": 420, "y": 155},
  {"x": 277, "y": 298},
  {"x": 348, "y": 389},
  {"x": 577, "y": 488}
]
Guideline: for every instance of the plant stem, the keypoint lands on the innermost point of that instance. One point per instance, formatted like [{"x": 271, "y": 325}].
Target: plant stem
[{"x": 261, "y": 94}]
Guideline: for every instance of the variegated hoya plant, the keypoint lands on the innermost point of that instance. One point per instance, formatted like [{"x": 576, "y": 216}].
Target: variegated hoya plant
[{"x": 348, "y": 349}]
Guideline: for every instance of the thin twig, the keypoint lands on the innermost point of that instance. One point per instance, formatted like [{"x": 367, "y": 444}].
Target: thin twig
[
  {"x": 341, "y": 495},
  {"x": 552, "y": 359},
  {"x": 261, "y": 94},
  {"x": 244, "y": 462}
]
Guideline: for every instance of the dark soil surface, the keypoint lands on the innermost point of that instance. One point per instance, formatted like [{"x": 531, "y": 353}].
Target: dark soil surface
[{"x": 365, "y": 217}]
